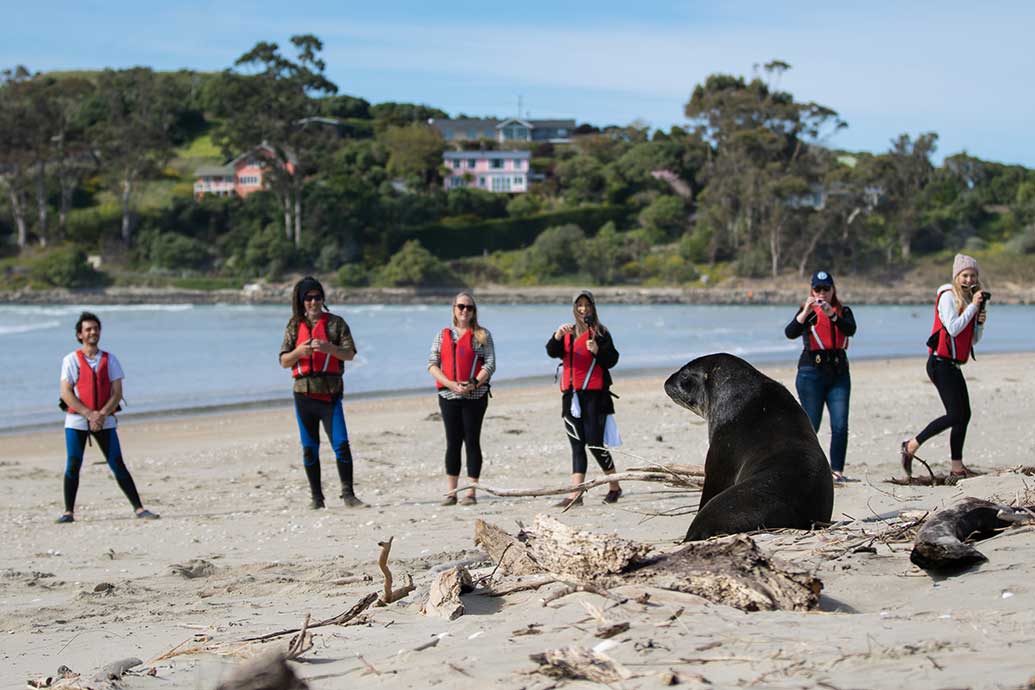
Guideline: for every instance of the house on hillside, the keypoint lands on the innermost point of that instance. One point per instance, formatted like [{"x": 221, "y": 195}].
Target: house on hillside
[
  {"x": 503, "y": 131},
  {"x": 493, "y": 171},
  {"x": 241, "y": 176}
]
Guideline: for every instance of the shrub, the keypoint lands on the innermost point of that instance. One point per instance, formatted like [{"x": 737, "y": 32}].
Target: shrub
[
  {"x": 353, "y": 275},
  {"x": 1023, "y": 242},
  {"x": 413, "y": 265},
  {"x": 175, "y": 251},
  {"x": 555, "y": 252},
  {"x": 667, "y": 214},
  {"x": 523, "y": 205},
  {"x": 66, "y": 267}
]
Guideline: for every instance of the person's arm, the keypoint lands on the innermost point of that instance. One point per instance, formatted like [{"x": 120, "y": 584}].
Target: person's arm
[
  {"x": 796, "y": 327},
  {"x": 555, "y": 345},
  {"x": 342, "y": 347},
  {"x": 607, "y": 354},
  {"x": 845, "y": 322},
  {"x": 290, "y": 351},
  {"x": 954, "y": 323},
  {"x": 488, "y": 360}
]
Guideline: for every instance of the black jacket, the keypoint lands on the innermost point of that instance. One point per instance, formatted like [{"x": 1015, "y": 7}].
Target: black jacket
[{"x": 845, "y": 323}]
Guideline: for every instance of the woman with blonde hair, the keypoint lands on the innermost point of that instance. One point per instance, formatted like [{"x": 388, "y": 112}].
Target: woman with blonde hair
[
  {"x": 959, "y": 320},
  {"x": 462, "y": 361}
]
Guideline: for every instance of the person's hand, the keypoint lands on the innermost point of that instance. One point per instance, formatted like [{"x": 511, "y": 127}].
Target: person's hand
[
  {"x": 304, "y": 349},
  {"x": 827, "y": 309},
  {"x": 982, "y": 315},
  {"x": 96, "y": 420},
  {"x": 458, "y": 387},
  {"x": 592, "y": 346},
  {"x": 977, "y": 298},
  {"x": 562, "y": 330},
  {"x": 320, "y": 345}
]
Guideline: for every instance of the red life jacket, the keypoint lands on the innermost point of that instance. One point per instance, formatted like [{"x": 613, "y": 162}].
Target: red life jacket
[
  {"x": 824, "y": 334},
  {"x": 459, "y": 362},
  {"x": 580, "y": 365},
  {"x": 957, "y": 349},
  {"x": 93, "y": 388},
  {"x": 320, "y": 363}
]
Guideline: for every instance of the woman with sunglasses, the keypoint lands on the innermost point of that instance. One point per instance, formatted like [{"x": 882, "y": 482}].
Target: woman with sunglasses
[
  {"x": 587, "y": 355},
  {"x": 462, "y": 361},
  {"x": 316, "y": 345},
  {"x": 825, "y": 325}
]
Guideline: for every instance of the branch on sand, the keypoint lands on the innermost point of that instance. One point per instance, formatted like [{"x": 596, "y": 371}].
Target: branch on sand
[
  {"x": 342, "y": 618},
  {"x": 675, "y": 475},
  {"x": 730, "y": 570},
  {"x": 579, "y": 663},
  {"x": 390, "y": 595}
]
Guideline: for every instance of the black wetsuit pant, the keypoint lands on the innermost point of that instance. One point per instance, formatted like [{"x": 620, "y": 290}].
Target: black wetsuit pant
[
  {"x": 588, "y": 429},
  {"x": 108, "y": 440},
  {"x": 462, "y": 418},
  {"x": 947, "y": 377},
  {"x": 311, "y": 413}
]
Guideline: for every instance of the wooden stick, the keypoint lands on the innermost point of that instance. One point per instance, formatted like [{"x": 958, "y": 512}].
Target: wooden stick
[
  {"x": 390, "y": 594},
  {"x": 341, "y": 618},
  {"x": 300, "y": 644},
  {"x": 606, "y": 479}
]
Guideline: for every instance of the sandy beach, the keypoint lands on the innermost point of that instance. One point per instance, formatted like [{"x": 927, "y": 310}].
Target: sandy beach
[{"x": 231, "y": 491}]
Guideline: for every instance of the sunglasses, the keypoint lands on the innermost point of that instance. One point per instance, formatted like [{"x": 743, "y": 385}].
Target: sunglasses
[
  {"x": 823, "y": 288},
  {"x": 464, "y": 307},
  {"x": 313, "y": 298}
]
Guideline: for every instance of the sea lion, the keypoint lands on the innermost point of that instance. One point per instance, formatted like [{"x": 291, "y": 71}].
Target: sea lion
[{"x": 765, "y": 468}]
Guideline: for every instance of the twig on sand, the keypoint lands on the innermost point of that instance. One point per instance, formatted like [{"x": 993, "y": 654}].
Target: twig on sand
[
  {"x": 573, "y": 587},
  {"x": 300, "y": 643},
  {"x": 340, "y": 619},
  {"x": 687, "y": 480},
  {"x": 391, "y": 595}
]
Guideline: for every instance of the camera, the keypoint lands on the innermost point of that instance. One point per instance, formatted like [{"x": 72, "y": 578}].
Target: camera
[
  {"x": 590, "y": 320},
  {"x": 985, "y": 296}
]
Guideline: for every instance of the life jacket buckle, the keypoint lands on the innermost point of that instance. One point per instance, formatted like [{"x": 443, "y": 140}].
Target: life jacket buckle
[{"x": 819, "y": 359}]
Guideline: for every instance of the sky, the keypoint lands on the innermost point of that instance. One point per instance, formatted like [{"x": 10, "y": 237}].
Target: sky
[{"x": 956, "y": 68}]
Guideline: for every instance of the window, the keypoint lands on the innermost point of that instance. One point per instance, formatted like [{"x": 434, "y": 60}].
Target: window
[
  {"x": 489, "y": 134},
  {"x": 497, "y": 164},
  {"x": 456, "y": 164},
  {"x": 519, "y": 180},
  {"x": 518, "y": 164},
  {"x": 481, "y": 182},
  {"x": 248, "y": 180},
  {"x": 472, "y": 134},
  {"x": 500, "y": 183},
  {"x": 470, "y": 163},
  {"x": 447, "y": 134},
  {"x": 562, "y": 132}
]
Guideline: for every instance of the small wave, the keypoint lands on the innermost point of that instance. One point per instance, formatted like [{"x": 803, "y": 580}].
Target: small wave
[{"x": 29, "y": 327}]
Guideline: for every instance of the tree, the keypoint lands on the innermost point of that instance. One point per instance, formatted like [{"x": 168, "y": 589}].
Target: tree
[
  {"x": 135, "y": 135},
  {"x": 272, "y": 108},
  {"x": 414, "y": 151},
  {"x": 907, "y": 170},
  {"x": 15, "y": 154}
]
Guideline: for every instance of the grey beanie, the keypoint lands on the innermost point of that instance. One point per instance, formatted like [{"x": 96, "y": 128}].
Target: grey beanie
[{"x": 584, "y": 293}]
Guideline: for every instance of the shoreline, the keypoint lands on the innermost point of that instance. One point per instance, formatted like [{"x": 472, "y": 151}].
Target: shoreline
[
  {"x": 743, "y": 293},
  {"x": 632, "y": 377}
]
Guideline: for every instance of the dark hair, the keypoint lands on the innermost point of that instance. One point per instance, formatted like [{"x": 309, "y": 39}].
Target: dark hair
[
  {"x": 301, "y": 288},
  {"x": 85, "y": 316}
]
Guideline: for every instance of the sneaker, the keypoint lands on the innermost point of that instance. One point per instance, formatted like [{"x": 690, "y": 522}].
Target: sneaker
[
  {"x": 316, "y": 503},
  {"x": 566, "y": 502},
  {"x": 449, "y": 500},
  {"x": 147, "y": 515},
  {"x": 468, "y": 501},
  {"x": 612, "y": 496},
  {"x": 64, "y": 519},
  {"x": 351, "y": 501}
]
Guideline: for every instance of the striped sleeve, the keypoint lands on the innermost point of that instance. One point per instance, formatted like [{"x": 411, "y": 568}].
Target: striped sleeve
[
  {"x": 435, "y": 356},
  {"x": 489, "y": 354}
]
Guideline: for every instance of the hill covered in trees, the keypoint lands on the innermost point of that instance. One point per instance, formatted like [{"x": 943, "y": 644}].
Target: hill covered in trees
[{"x": 101, "y": 164}]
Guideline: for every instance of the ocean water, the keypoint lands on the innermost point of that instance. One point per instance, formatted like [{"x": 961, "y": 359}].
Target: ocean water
[{"x": 187, "y": 357}]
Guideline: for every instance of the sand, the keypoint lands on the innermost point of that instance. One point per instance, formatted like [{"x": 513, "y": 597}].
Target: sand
[{"x": 231, "y": 491}]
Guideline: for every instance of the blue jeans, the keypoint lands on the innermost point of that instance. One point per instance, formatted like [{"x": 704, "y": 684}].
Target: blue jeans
[{"x": 816, "y": 388}]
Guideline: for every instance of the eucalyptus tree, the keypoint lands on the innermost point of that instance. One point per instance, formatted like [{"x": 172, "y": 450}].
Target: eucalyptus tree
[
  {"x": 269, "y": 108},
  {"x": 15, "y": 153}
]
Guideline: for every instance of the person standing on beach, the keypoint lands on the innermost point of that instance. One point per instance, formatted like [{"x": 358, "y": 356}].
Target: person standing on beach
[
  {"x": 462, "y": 361},
  {"x": 825, "y": 325},
  {"x": 316, "y": 345},
  {"x": 91, "y": 390},
  {"x": 959, "y": 322},
  {"x": 587, "y": 355}
]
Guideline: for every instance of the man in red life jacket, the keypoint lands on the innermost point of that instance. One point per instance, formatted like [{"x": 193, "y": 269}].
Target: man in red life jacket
[
  {"x": 91, "y": 389},
  {"x": 316, "y": 345}
]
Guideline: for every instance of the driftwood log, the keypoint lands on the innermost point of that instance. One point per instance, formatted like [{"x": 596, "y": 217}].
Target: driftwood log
[
  {"x": 270, "y": 672},
  {"x": 730, "y": 571},
  {"x": 578, "y": 663},
  {"x": 444, "y": 597},
  {"x": 505, "y": 550},
  {"x": 942, "y": 543},
  {"x": 688, "y": 476}
]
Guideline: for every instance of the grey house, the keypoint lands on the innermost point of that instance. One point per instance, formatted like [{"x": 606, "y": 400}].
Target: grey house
[{"x": 513, "y": 129}]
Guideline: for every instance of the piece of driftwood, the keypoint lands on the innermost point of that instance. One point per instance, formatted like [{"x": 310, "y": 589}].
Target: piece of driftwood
[
  {"x": 579, "y": 663},
  {"x": 658, "y": 474},
  {"x": 269, "y": 672},
  {"x": 340, "y": 619},
  {"x": 533, "y": 582},
  {"x": 300, "y": 643},
  {"x": 194, "y": 568},
  {"x": 390, "y": 595},
  {"x": 941, "y": 544},
  {"x": 730, "y": 570},
  {"x": 116, "y": 669},
  {"x": 444, "y": 597},
  {"x": 576, "y": 554},
  {"x": 505, "y": 550}
]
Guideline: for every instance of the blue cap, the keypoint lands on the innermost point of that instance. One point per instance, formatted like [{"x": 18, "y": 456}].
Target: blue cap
[{"x": 822, "y": 278}]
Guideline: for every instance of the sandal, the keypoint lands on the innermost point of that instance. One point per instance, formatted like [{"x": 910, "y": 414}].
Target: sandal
[
  {"x": 449, "y": 501},
  {"x": 838, "y": 477},
  {"x": 65, "y": 519},
  {"x": 568, "y": 502},
  {"x": 468, "y": 501},
  {"x": 907, "y": 458},
  {"x": 613, "y": 496}
]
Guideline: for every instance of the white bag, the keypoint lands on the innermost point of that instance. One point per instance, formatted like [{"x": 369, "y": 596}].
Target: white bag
[
  {"x": 612, "y": 439},
  {"x": 576, "y": 408}
]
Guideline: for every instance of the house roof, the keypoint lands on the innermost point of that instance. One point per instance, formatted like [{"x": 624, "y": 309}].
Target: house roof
[
  {"x": 468, "y": 155},
  {"x": 262, "y": 147},
  {"x": 215, "y": 170},
  {"x": 542, "y": 124}
]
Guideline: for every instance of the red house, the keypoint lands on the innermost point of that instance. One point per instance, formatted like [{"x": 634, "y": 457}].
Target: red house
[{"x": 241, "y": 176}]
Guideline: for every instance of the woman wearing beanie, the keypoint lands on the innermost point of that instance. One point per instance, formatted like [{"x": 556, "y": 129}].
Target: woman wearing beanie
[
  {"x": 462, "y": 361},
  {"x": 959, "y": 319},
  {"x": 316, "y": 345},
  {"x": 825, "y": 325},
  {"x": 587, "y": 354}
]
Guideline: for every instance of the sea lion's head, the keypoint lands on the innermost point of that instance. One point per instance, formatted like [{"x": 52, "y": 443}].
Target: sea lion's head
[{"x": 712, "y": 385}]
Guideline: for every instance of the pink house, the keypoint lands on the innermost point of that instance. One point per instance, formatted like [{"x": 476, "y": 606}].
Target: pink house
[
  {"x": 493, "y": 171},
  {"x": 241, "y": 176}
]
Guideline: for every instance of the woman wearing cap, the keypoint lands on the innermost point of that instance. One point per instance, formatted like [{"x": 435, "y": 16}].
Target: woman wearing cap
[
  {"x": 462, "y": 361},
  {"x": 587, "y": 354},
  {"x": 825, "y": 325},
  {"x": 959, "y": 319},
  {"x": 316, "y": 344}
]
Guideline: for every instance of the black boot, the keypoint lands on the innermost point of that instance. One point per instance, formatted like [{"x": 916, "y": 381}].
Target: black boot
[
  {"x": 312, "y": 473},
  {"x": 348, "y": 495}
]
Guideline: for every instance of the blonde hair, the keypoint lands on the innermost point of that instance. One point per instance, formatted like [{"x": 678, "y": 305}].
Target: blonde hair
[
  {"x": 476, "y": 331},
  {"x": 962, "y": 299}
]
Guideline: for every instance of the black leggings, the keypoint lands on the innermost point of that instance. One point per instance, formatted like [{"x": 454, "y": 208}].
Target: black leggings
[
  {"x": 952, "y": 387},
  {"x": 587, "y": 430},
  {"x": 462, "y": 418},
  {"x": 108, "y": 440}
]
